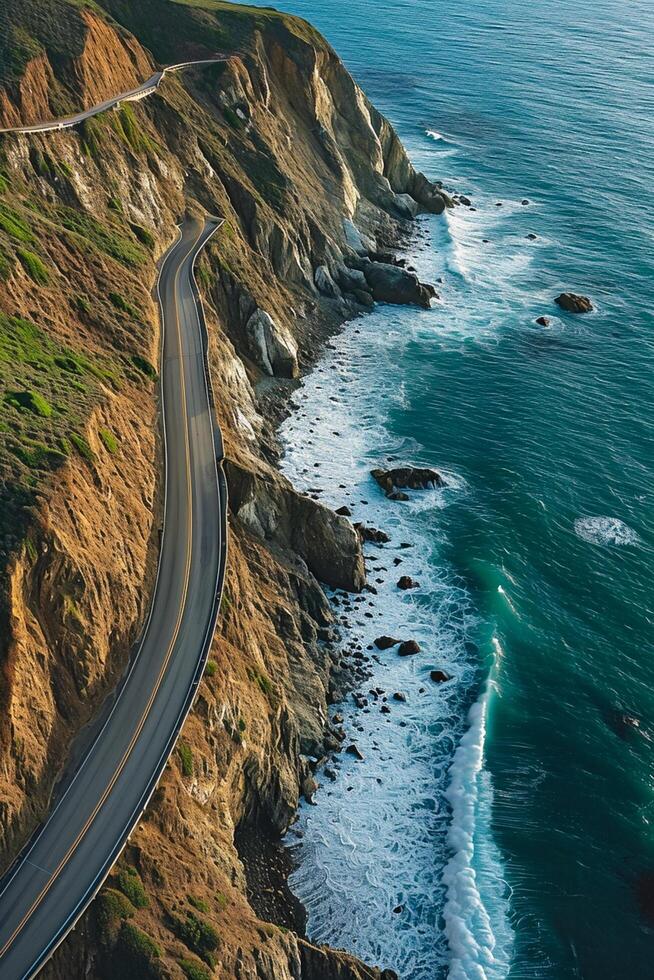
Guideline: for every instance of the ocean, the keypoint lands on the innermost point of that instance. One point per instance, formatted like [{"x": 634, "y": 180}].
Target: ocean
[{"x": 501, "y": 823}]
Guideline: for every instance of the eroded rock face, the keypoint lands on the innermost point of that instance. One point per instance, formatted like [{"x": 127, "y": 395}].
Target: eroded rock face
[
  {"x": 573, "y": 303},
  {"x": 273, "y": 348},
  {"x": 268, "y": 505}
]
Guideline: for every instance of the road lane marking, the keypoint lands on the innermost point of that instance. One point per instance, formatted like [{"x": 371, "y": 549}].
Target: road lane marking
[{"x": 169, "y": 651}]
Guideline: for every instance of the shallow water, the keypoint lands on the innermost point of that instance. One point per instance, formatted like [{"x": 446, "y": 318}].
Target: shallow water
[{"x": 512, "y": 824}]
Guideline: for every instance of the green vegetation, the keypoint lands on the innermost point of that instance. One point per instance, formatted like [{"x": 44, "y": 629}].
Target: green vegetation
[
  {"x": 130, "y": 884},
  {"x": 196, "y": 933},
  {"x": 34, "y": 267},
  {"x": 90, "y": 132},
  {"x": 106, "y": 238},
  {"x": 4, "y": 182},
  {"x": 82, "y": 447},
  {"x": 221, "y": 901},
  {"x": 241, "y": 725},
  {"x": 144, "y": 236},
  {"x": 232, "y": 119},
  {"x": 14, "y": 226},
  {"x": 125, "y": 124},
  {"x": 262, "y": 681},
  {"x": 136, "y": 954},
  {"x": 29, "y": 401},
  {"x": 186, "y": 759},
  {"x": 144, "y": 366},
  {"x": 109, "y": 440},
  {"x": 198, "y": 903},
  {"x": 211, "y": 668},
  {"x": 123, "y": 304},
  {"x": 194, "y": 970},
  {"x": 111, "y": 909}
]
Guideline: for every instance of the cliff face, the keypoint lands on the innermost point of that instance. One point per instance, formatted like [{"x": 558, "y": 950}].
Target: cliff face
[{"x": 311, "y": 181}]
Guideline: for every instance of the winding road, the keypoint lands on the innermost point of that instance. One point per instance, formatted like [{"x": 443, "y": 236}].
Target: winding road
[
  {"x": 148, "y": 87},
  {"x": 55, "y": 878}
]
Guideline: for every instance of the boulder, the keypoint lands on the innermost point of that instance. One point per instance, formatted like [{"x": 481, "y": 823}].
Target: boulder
[
  {"x": 385, "y": 642},
  {"x": 271, "y": 347},
  {"x": 351, "y": 279},
  {"x": 406, "y": 582},
  {"x": 440, "y": 676},
  {"x": 408, "y": 648},
  {"x": 399, "y": 696},
  {"x": 363, "y": 297},
  {"x": 371, "y": 534},
  {"x": 324, "y": 282},
  {"x": 355, "y": 238},
  {"x": 354, "y": 750},
  {"x": 393, "y": 284},
  {"x": 398, "y": 495},
  {"x": 344, "y": 511},
  {"x": 574, "y": 303},
  {"x": 543, "y": 321},
  {"x": 412, "y": 477}
]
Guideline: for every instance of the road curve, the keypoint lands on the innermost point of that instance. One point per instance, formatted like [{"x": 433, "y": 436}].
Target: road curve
[
  {"x": 148, "y": 87},
  {"x": 56, "y": 876}
]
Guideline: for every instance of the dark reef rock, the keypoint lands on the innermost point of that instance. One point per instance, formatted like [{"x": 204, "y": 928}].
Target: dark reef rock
[
  {"x": 440, "y": 676},
  {"x": 573, "y": 303},
  {"x": 385, "y": 642},
  {"x": 393, "y": 284},
  {"x": 411, "y": 477},
  {"x": 408, "y": 648},
  {"x": 542, "y": 321}
]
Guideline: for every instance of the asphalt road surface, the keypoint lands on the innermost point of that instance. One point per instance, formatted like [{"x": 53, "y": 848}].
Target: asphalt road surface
[
  {"x": 57, "y": 875},
  {"x": 148, "y": 87}
]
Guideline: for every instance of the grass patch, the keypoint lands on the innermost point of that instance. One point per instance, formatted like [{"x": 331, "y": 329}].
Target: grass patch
[
  {"x": 34, "y": 267},
  {"x": 14, "y": 226},
  {"x": 109, "y": 440},
  {"x": 37, "y": 455},
  {"x": 198, "y": 903},
  {"x": 82, "y": 447},
  {"x": 130, "y": 884},
  {"x": 126, "y": 126},
  {"x": 211, "y": 668},
  {"x": 123, "y": 304},
  {"x": 29, "y": 401},
  {"x": 186, "y": 759},
  {"x": 136, "y": 954},
  {"x": 194, "y": 970},
  {"x": 105, "y": 238}
]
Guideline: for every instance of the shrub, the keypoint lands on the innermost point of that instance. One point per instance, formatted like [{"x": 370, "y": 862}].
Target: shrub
[
  {"x": 137, "y": 954},
  {"x": 82, "y": 447},
  {"x": 34, "y": 267},
  {"x": 221, "y": 901},
  {"x": 241, "y": 725},
  {"x": 196, "y": 933},
  {"x": 194, "y": 970},
  {"x": 38, "y": 456},
  {"x": 211, "y": 668},
  {"x": 144, "y": 366},
  {"x": 109, "y": 440},
  {"x": 130, "y": 884},
  {"x": 186, "y": 759},
  {"x": 144, "y": 236},
  {"x": 111, "y": 908}
]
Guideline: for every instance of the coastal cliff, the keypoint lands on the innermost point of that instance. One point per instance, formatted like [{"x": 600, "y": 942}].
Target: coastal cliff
[{"x": 315, "y": 189}]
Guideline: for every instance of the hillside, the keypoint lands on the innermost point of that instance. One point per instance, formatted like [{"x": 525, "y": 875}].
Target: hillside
[{"x": 279, "y": 140}]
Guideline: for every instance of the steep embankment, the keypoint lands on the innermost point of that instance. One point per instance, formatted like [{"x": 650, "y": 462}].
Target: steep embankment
[{"x": 310, "y": 178}]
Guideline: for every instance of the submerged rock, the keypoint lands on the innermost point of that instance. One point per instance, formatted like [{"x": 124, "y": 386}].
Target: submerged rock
[
  {"x": 408, "y": 648},
  {"x": 406, "y": 582},
  {"x": 574, "y": 303},
  {"x": 543, "y": 321},
  {"x": 440, "y": 676}
]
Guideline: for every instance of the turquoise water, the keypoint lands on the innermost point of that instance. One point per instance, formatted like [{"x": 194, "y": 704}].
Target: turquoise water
[{"x": 541, "y": 553}]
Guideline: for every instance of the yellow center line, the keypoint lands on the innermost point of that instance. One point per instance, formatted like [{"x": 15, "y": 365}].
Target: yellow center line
[{"x": 169, "y": 651}]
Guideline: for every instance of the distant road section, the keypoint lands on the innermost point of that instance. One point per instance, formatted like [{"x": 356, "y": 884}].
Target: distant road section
[
  {"x": 55, "y": 878},
  {"x": 134, "y": 95}
]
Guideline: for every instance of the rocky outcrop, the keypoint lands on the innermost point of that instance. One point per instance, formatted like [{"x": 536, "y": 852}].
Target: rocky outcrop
[
  {"x": 393, "y": 284},
  {"x": 411, "y": 477},
  {"x": 272, "y": 347},
  {"x": 573, "y": 303},
  {"x": 269, "y": 507}
]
